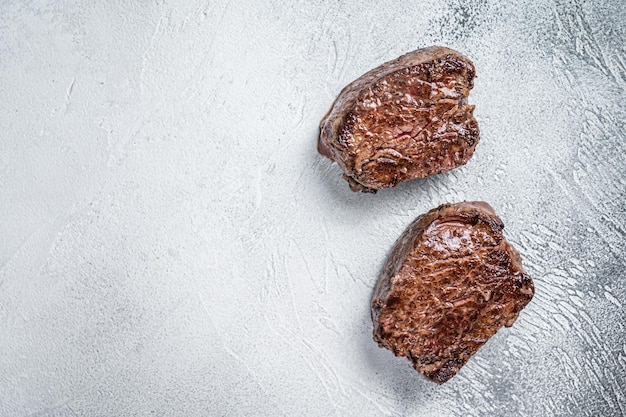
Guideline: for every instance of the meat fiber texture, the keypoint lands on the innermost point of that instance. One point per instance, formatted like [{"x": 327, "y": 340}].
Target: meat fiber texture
[
  {"x": 450, "y": 283},
  {"x": 406, "y": 119}
]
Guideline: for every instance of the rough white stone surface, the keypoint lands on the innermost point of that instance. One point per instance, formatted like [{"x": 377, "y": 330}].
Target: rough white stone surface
[{"x": 171, "y": 244}]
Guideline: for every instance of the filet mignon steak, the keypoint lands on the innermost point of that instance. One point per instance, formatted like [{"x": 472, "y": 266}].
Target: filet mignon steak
[
  {"x": 406, "y": 119},
  {"x": 449, "y": 284}
]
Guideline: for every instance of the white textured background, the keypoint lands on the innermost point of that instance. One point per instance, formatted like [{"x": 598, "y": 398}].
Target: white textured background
[{"x": 171, "y": 244}]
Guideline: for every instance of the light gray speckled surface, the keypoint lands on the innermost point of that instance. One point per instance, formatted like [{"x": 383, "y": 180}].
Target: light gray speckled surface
[{"x": 171, "y": 244}]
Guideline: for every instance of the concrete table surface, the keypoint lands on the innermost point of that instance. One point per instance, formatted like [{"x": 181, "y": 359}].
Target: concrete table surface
[{"x": 171, "y": 243}]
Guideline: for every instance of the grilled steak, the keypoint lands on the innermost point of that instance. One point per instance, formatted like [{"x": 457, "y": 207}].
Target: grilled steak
[
  {"x": 450, "y": 283},
  {"x": 406, "y": 119}
]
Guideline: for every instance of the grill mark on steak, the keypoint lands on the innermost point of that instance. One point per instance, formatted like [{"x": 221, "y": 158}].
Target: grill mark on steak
[
  {"x": 415, "y": 106},
  {"x": 451, "y": 281}
]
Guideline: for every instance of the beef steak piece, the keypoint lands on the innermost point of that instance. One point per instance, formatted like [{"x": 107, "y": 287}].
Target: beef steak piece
[
  {"x": 406, "y": 119},
  {"x": 449, "y": 284}
]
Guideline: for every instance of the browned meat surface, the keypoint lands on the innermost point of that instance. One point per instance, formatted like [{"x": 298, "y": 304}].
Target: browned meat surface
[
  {"x": 450, "y": 283},
  {"x": 406, "y": 119}
]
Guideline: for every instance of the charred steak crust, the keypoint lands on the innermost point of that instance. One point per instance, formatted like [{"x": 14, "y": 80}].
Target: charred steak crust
[
  {"x": 449, "y": 284},
  {"x": 406, "y": 119}
]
